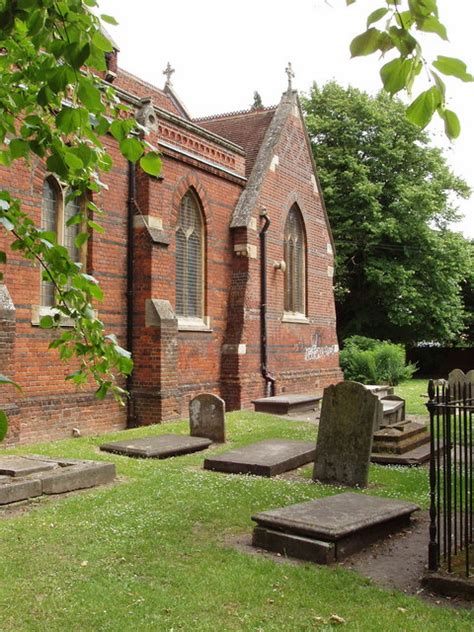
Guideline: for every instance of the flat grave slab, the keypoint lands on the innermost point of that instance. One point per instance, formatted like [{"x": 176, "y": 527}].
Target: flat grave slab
[
  {"x": 158, "y": 447},
  {"x": 328, "y": 529},
  {"x": 288, "y": 403},
  {"x": 22, "y": 466},
  {"x": 265, "y": 458},
  {"x": 33, "y": 476}
]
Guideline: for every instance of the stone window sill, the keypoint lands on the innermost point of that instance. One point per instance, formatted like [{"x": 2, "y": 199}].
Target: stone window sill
[
  {"x": 194, "y": 324},
  {"x": 295, "y": 317},
  {"x": 38, "y": 311}
]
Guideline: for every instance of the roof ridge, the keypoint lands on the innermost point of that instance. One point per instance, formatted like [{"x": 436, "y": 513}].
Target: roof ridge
[
  {"x": 142, "y": 81},
  {"x": 236, "y": 113}
]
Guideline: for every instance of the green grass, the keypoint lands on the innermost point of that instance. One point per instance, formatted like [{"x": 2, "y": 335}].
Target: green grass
[
  {"x": 155, "y": 551},
  {"x": 413, "y": 392}
]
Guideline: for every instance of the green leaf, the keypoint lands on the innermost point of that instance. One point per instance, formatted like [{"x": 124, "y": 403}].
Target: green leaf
[
  {"x": 3, "y": 257},
  {"x": 46, "y": 322},
  {"x": 366, "y": 43},
  {"x": 151, "y": 163},
  {"x": 433, "y": 25},
  {"x": 6, "y": 380},
  {"x": 6, "y": 223},
  {"x": 421, "y": 111},
  {"x": 131, "y": 149},
  {"x": 81, "y": 239},
  {"x": 101, "y": 392},
  {"x": 395, "y": 74},
  {"x": 101, "y": 42},
  {"x": 452, "y": 126},
  {"x": 19, "y": 148},
  {"x": 68, "y": 119},
  {"x": 90, "y": 95},
  {"x": 3, "y": 425},
  {"x": 452, "y": 67},
  {"x": 109, "y": 19},
  {"x": 97, "y": 227},
  {"x": 376, "y": 15}
]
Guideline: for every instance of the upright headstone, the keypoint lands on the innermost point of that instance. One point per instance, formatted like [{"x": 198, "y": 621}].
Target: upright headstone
[
  {"x": 349, "y": 416},
  {"x": 456, "y": 383},
  {"x": 206, "y": 417}
]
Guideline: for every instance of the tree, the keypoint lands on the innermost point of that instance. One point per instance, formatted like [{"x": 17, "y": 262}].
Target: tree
[
  {"x": 402, "y": 20},
  {"x": 53, "y": 104},
  {"x": 390, "y": 197}
]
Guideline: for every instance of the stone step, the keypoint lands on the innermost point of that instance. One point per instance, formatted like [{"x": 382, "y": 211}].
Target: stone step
[
  {"x": 401, "y": 447},
  {"x": 329, "y": 529},
  {"x": 287, "y": 403}
]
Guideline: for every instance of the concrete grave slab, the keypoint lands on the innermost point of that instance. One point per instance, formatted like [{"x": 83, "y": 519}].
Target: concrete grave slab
[
  {"x": 158, "y": 447},
  {"x": 288, "y": 403},
  {"x": 32, "y": 476},
  {"x": 265, "y": 458},
  {"x": 23, "y": 465},
  {"x": 207, "y": 417},
  {"x": 328, "y": 529}
]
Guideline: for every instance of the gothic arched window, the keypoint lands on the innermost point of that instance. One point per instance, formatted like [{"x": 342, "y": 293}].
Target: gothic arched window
[
  {"x": 55, "y": 213},
  {"x": 190, "y": 258},
  {"x": 295, "y": 258}
]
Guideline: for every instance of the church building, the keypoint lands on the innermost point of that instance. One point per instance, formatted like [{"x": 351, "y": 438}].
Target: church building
[{"x": 218, "y": 274}]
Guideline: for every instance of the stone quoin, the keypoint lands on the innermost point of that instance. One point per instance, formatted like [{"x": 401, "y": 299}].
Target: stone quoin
[{"x": 196, "y": 293}]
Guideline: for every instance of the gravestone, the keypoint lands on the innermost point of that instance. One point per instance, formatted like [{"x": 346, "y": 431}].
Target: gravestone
[
  {"x": 349, "y": 416},
  {"x": 206, "y": 417}
]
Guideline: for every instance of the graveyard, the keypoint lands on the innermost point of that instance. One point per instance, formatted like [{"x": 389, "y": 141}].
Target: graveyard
[{"x": 167, "y": 545}]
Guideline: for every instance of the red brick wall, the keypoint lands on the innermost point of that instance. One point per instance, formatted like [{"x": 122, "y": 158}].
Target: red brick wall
[{"x": 172, "y": 366}]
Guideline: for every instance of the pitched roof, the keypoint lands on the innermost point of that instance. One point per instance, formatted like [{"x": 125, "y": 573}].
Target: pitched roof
[
  {"x": 164, "y": 99},
  {"x": 246, "y": 129}
]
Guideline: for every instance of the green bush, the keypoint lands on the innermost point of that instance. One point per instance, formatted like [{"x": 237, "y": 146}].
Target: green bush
[{"x": 371, "y": 361}]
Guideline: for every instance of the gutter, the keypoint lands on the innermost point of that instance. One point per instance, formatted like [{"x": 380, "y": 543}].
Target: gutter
[
  {"x": 267, "y": 376},
  {"x": 132, "y": 187}
]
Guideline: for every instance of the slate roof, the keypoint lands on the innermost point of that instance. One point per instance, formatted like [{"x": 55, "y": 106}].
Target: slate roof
[{"x": 246, "y": 129}]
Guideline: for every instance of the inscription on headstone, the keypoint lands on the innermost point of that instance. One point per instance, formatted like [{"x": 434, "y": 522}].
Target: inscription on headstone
[
  {"x": 206, "y": 417},
  {"x": 349, "y": 416}
]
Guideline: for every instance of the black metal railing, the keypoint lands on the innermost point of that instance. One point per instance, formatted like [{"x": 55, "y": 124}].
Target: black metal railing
[{"x": 451, "y": 496}]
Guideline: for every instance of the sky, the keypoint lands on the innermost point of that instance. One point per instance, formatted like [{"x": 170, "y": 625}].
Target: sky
[{"x": 222, "y": 51}]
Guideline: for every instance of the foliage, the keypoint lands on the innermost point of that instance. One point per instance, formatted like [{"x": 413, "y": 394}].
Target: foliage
[
  {"x": 389, "y": 196},
  {"x": 161, "y": 550},
  {"x": 371, "y": 361},
  {"x": 402, "y": 18},
  {"x": 54, "y": 106}
]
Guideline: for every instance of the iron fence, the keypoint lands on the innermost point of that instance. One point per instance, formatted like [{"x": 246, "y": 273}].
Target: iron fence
[{"x": 451, "y": 406}]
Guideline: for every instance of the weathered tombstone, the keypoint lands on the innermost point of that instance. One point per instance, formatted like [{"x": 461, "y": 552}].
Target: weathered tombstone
[
  {"x": 349, "y": 416},
  {"x": 456, "y": 381},
  {"x": 206, "y": 417}
]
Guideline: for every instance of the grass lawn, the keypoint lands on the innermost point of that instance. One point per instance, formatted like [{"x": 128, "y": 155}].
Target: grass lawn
[
  {"x": 413, "y": 392},
  {"x": 154, "y": 551}
]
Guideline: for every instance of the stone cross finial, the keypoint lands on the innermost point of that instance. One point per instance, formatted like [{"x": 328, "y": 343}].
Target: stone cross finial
[
  {"x": 291, "y": 75},
  {"x": 168, "y": 71}
]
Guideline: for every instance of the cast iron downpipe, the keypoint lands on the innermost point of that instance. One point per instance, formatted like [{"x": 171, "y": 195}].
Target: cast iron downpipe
[
  {"x": 132, "y": 188},
  {"x": 269, "y": 379}
]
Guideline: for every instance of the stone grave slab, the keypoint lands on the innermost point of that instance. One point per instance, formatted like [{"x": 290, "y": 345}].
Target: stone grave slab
[
  {"x": 329, "y": 529},
  {"x": 349, "y": 416},
  {"x": 287, "y": 403},
  {"x": 32, "y": 476},
  {"x": 265, "y": 458},
  {"x": 23, "y": 465},
  {"x": 157, "y": 447},
  {"x": 207, "y": 417}
]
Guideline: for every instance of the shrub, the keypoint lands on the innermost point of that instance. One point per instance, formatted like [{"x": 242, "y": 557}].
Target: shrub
[{"x": 371, "y": 361}]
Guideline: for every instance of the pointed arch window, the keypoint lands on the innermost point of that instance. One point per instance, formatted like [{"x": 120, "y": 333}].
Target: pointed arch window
[
  {"x": 190, "y": 259},
  {"x": 56, "y": 211},
  {"x": 295, "y": 258}
]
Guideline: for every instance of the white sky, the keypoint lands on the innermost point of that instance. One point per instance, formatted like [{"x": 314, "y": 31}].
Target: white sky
[{"x": 225, "y": 50}]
